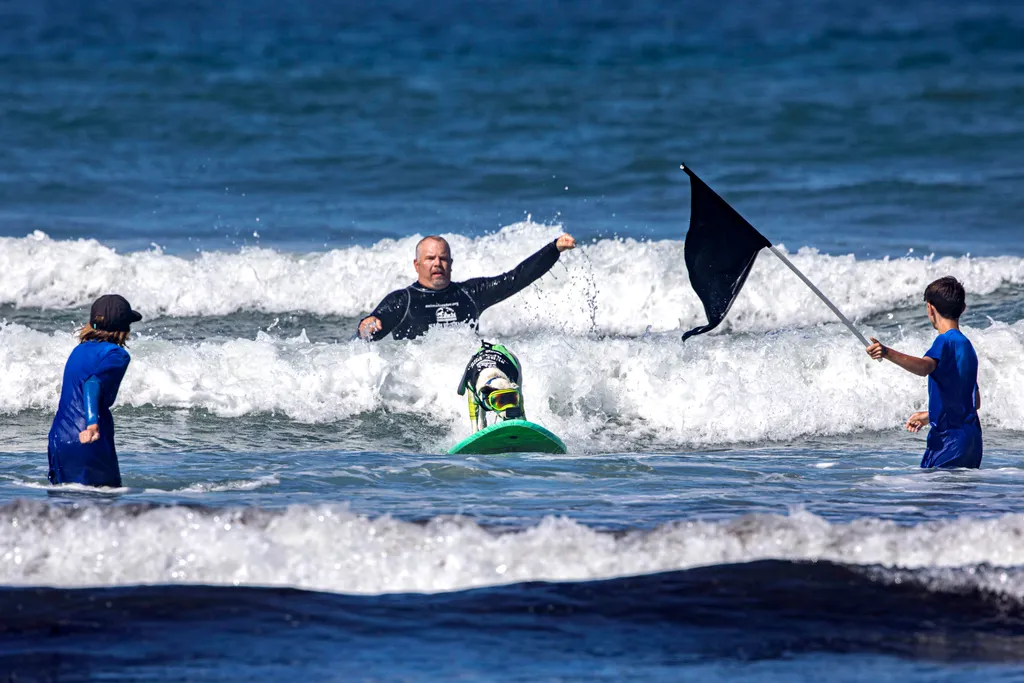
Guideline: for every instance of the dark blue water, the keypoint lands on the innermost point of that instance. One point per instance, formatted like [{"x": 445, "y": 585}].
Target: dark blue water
[
  {"x": 865, "y": 127},
  {"x": 763, "y": 620},
  {"x": 744, "y": 507}
]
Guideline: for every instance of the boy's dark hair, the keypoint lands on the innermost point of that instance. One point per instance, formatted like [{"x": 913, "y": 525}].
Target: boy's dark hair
[
  {"x": 947, "y": 296},
  {"x": 90, "y": 333}
]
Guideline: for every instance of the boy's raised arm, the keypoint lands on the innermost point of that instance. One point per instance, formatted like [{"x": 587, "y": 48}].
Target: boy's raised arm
[{"x": 915, "y": 364}]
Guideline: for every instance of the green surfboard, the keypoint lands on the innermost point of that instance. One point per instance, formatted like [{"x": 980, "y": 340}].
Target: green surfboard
[{"x": 510, "y": 436}]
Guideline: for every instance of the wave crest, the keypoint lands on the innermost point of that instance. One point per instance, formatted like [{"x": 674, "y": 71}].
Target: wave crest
[{"x": 612, "y": 286}]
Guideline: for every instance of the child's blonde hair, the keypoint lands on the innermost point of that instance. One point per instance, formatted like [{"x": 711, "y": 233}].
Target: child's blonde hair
[{"x": 90, "y": 333}]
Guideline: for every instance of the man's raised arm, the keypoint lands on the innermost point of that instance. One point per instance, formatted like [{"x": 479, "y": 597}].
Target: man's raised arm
[{"x": 487, "y": 291}]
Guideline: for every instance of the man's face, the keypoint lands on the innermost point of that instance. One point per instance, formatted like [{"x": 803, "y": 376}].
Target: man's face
[{"x": 434, "y": 264}]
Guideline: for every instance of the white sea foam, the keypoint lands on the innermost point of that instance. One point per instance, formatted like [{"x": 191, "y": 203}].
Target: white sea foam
[
  {"x": 211, "y": 487},
  {"x": 599, "y": 394},
  {"x": 611, "y": 286},
  {"x": 328, "y": 548}
]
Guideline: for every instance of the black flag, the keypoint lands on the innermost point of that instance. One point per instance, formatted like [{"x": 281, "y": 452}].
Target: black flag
[{"x": 720, "y": 250}]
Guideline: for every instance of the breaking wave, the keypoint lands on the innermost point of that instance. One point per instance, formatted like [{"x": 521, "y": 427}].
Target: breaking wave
[{"x": 612, "y": 286}]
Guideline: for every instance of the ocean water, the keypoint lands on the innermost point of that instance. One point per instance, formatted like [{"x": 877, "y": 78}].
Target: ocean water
[{"x": 743, "y": 507}]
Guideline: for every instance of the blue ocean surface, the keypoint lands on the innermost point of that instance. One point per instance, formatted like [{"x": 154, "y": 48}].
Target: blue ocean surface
[{"x": 254, "y": 176}]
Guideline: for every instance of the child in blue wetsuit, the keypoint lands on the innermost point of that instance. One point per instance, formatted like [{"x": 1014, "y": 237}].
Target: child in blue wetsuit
[
  {"x": 81, "y": 445},
  {"x": 951, "y": 366}
]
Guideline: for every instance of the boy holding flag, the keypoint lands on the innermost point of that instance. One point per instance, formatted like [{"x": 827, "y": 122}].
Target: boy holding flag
[{"x": 951, "y": 366}]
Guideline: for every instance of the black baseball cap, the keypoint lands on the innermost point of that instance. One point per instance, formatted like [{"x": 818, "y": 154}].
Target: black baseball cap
[{"x": 113, "y": 313}]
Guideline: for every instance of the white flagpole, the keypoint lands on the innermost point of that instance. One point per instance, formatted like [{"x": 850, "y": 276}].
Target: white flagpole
[{"x": 839, "y": 314}]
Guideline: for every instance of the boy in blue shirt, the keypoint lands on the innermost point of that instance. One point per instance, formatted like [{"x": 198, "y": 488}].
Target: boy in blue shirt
[
  {"x": 951, "y": 366},
  {"x": 81, "y": 444}
]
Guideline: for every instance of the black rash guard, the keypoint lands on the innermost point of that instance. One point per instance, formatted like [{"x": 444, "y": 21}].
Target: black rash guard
[{"x": 410, "y": 312}]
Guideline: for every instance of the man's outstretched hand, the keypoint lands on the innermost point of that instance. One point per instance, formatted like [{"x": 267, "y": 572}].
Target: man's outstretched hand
[
  {"x": 369, "y": 327},
  {"x": 565, "y": 242}
]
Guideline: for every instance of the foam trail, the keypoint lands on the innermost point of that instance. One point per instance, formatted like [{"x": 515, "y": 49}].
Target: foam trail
[
  {"x": 600, "y": 395},
  {"x": 328, "y": 548},
  {"x": 611, "y": 286}
]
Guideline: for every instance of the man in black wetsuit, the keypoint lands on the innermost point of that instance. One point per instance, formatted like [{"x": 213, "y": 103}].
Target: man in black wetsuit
[{"x": 435, "y": 300}]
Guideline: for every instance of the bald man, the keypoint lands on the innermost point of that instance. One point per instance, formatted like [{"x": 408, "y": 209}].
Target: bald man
[{"x": 435, "y": 300}]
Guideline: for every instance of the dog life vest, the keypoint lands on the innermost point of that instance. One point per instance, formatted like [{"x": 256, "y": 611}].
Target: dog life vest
[{"x": 505, "y": 401}]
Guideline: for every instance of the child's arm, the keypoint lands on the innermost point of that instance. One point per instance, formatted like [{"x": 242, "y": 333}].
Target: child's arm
[
  {"x": 917, "y": 421},
  {"x": 919, "y": 366},
  {"x": 91, "y": 398},
  {"x": 977, "y": 397}
]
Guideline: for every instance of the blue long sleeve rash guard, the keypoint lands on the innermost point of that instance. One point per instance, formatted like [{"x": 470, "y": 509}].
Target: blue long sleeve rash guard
[
  {"x": 91, "y": 397},
  {"x": 94, "y": 464}
]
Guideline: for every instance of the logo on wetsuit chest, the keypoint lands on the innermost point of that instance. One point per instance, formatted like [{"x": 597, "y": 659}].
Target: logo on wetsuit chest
[{"x": 446, "y": 315}]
